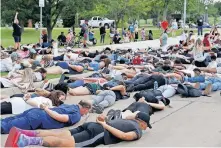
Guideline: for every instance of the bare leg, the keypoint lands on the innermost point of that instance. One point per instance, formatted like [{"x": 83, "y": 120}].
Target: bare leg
[
  {"x": 77, "y": 68},
  {"x": 209, "y": 70},
  {"x": 177, "y": 76},
  {"x": 54, "y": 70},
  {"x": 118, "y": 67},
  {"x": 79, "y": 91},
  {"x": 120, "y": 88},
  {"x": 18, "y": 45}
]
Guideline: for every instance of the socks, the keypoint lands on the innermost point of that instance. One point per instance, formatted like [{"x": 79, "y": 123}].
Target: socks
[
  {"x": 29, "y": 133},
  {"x": 25, "y": 141}
]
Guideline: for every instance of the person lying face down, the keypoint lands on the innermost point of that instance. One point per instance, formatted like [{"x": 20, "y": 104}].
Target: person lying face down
[
  {"x": 89, "y": 134},
  {"x": 21, "y": 103},
  {"x": 156, "y": 104},
  {"x": 46, "y": 118}
]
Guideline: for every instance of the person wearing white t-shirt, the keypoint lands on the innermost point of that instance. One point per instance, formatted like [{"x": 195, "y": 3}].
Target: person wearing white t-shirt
[
  {"x": 174, "y": 27},
  {"x": 201, "y": 59},
  {"x": 18, "y": 105}
]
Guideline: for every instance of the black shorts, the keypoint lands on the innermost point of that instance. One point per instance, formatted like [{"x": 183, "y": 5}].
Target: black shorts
[
  {"x": 17, "y": 39},
  {"x": 89, "y": 134}
]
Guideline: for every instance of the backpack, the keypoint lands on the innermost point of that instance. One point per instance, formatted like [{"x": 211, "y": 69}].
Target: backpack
[
  {"x": 152, "y": 96},
  {"x": 188, "y": 91},
  {"x": 137, "y": 61}
]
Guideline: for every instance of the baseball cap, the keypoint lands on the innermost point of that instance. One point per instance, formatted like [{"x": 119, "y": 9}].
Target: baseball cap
[
  {"x": 144, "y": 117},
  {"x": 165, "y": 101}
]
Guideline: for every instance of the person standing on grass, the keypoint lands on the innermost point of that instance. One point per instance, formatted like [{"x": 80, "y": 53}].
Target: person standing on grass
[
  {"x": 16, "y": 32},
  {"x": 200, "y": 26},
  {"x": 174, "y": 27},
  {"x": 132, "y": 31},
  {"x": 85, "y": 31},
  {"x": 102, "y": 33}
]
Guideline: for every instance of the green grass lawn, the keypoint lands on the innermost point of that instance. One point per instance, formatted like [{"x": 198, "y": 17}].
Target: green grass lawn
[
  {"x": 30, "y": 35},
  {"x": 49, "y": 76}
]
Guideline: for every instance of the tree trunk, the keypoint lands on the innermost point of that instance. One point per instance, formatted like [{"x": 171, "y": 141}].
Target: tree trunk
[
  {"x": 122, "y": 18},
  {"x": 49, "y": 30},
  {"x": 166, "y": 3}
]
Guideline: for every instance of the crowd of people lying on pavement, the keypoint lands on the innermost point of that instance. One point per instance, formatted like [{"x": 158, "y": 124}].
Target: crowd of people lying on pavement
[{"x": 191, "y": 68}]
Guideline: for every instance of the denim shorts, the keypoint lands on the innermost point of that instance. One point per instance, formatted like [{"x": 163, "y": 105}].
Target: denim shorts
[{"x": 17, "y": 39}]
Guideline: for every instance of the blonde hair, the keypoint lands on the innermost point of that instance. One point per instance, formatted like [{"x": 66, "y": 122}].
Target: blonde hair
[
  {"x": 42, "y": 92},
  {"x": 198, "y": 45}
]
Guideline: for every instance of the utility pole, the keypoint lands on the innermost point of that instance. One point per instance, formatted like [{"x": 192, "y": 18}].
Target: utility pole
[
  {"x": 184, "y": 15},
  {"x": 41, "y": 4}
]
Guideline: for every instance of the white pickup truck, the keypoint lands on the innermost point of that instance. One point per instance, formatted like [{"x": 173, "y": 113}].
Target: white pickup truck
[{"x": 96, "y": 20}]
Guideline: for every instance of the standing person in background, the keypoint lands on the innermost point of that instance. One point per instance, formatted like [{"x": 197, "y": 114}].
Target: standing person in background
[
  {"x": 112, "y": 33},
  {"x": 150, "y": 35},
  {"x": 143, "y": 34},
  {"x": 44, "y": 39},
  {"x": 136, "y": 35},
  {"x": 85, "y": 31},
  {"x": 163, "y": 41},
  {"x": 36, "y": 26},
  {"x": 102, "y": 33},
  {"x": 200, "y": 26},
  {"x": 16, "y": 32},
  {"x": 174, "y": 28},
  {"x": 132, "y": 29}
]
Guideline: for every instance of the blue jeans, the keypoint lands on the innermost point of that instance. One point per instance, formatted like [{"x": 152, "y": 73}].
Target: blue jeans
[
  {"x": 216, "y": 83},
  {"x": 195, "y": 79},
  {"x": 75, "y": 84},
  {"x": 200, "y": 30}
]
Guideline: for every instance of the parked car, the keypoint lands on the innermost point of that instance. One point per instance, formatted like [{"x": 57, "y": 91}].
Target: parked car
[
  {"x": 97, "y": 20},
  {"x": 181, "y": 25},
  {"x": 218, "y": 25},
  {"x": 192, "y": 25},
  {"x": 205, "y": 25}
]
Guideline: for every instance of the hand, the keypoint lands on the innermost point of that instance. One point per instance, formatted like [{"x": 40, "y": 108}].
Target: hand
[
  {"x": 101, "y": 119},
  {"x": 27, "y": 96},
  {"x": 141, "y": 99},
  {"x": 16, "y": 13},
  {"x": 43, "y": 106}
]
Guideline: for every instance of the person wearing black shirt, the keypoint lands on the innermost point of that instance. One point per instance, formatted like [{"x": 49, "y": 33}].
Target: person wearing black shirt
[
  {"x": 200, "y": 26},
  {"x": 117, "y": 38},
  {"x": 102, "y": 33},
  {"x": 45, "y": 39},
  {"x": 16, "y": 32},
  {"x": 61, "y": 38},
  {"x": 90, "y": 134}
]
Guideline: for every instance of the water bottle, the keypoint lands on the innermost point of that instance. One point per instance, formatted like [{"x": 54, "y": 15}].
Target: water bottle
[{"x": 155, "y": 85}]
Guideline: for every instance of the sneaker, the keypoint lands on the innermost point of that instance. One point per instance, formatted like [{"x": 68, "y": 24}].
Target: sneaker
[
  {"x": 208, "y": 90},
  {"x": 126, "y": 96},
  {"x": 13, "y": 138},
  {"x": 97, "y": 109},
  {"x": 110, "y": 115}
]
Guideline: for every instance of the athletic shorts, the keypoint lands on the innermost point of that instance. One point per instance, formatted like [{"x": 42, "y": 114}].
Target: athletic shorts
[
  {"x": 17, "y": 39},
  {"x": 92, "y": 87},
  {"x": 89, "y": 134}
]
